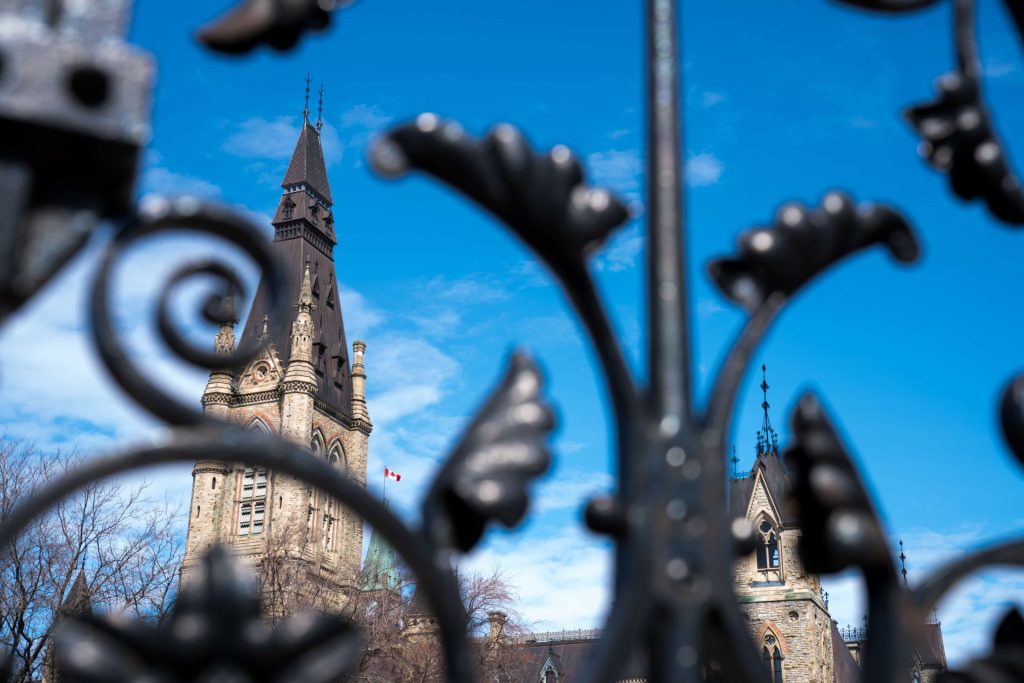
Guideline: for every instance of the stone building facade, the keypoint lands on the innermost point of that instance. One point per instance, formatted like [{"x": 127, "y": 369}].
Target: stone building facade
[{"x": 303, "y": 385}]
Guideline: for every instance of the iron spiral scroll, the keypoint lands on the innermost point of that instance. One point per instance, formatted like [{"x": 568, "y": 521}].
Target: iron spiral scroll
[{"x": 673, "y": 594}]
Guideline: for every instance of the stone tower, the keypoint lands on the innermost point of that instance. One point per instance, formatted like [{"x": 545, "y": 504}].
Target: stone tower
[
  {"x": 304, "y": 386},
  {"x": 788, "y": 618}
]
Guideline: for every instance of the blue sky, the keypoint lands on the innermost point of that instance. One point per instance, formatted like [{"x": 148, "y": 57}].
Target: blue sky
[{"x": 783, "y": 101}]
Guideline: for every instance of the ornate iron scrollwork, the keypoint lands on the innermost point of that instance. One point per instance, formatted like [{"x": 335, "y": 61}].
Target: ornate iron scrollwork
[{"x": 674, "y": 543}]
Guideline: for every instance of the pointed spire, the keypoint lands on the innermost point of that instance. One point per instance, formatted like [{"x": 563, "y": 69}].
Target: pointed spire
[
  {"x": 77, "y": 602},
  {"x": 320, "y": 110},
  {"x": 767, "y": 439},
  {"x": 735, "y": 461},
  {"x": 305, "y": 303},
  {"x": 307, "y": 169},
  {"x": 305, "y": 109},
  {"x": 903, "y": 565},
  {"x": 265, "y": 329},
  {"x": 224, "y": 343}
]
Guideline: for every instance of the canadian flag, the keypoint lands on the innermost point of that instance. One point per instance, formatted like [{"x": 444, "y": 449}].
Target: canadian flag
[{"x": 391, "y": 474}]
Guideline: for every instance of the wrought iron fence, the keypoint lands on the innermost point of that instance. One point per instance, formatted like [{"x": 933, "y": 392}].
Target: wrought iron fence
[{"x": 73, "y": 122}]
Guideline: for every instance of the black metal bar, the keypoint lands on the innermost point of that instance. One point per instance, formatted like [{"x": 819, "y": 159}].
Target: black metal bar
[{"x": 668, "y": 340}]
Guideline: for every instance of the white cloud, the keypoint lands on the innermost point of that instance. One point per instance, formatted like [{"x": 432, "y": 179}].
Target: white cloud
[
  {"x": 707, "y": 308},
  {"x": 367, "y": 116},
  {"x": 259, "y": 138},
  {"x": 570, "y": 490},
  {"x": 703, "y": 169},
  {"x": 709, "y": 99},
  {"x": 563, "y": 579},
  {"x": 618, "y": 133},
  {"x": 409, "y": 375},
  {"x": 158, "y": 179},
  {"x": 620, "y": 170},
  {"x": 622, "y": 250},
  {"x": 997, "y": 68},
  {"x": 360, "y": 316},
  {"x": 469, "y": 289},
  {"x": 862, "y": 122}
]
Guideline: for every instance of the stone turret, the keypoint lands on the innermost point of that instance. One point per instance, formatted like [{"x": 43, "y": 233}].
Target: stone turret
[
  {"x": 299, "y": 386},
  {"x": 359, "y": 410},
  {"x": 218, "y": 391}
]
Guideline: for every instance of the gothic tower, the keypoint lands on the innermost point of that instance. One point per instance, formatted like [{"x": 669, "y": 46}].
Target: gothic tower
[
  {"x": 788, "y": 617},
  {"x": 304, "y": 386}
]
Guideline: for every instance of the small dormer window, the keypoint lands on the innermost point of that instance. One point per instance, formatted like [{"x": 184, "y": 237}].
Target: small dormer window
[
  {"x": 314, "y": 212},
  {"x": 288, "y": 208}
]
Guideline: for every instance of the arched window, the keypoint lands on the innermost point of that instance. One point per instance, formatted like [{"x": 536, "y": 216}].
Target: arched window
[
  {"x": 771, "y": 653},
  {"x": 916, "y": 678},
  {"x": 317, "y": 444},
  {"x": 768, "y": 556},
  {"x": 550, "y": 676}
]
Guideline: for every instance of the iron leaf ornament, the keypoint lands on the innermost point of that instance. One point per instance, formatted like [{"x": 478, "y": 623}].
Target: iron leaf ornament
[
  {"x": 839, "y": 525},
  {"x": 1011, "y": 416},
  {"x": 501, "y": 452},
  {"x": 958, "y": 136},
  {"x": 277, "y": 23},
  {"x": 1005, "y": 662},
  {"x": 216, "y": 633},
  {"x": 541, "y": 197},
  {"x": 675, "y": 547},
  {"x": 802, "y": 243}
]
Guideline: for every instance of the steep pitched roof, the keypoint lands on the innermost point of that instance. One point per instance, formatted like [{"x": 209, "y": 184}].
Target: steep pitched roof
[
  {"x": 307, "y": 164},
  {"x": 930, "y": 647},
  {"x": 304, "y": 229},
  {"x": 843, "y": 664},
  {"x": 77, "y": 602}
]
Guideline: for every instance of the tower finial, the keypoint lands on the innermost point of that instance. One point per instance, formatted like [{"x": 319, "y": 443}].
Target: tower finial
[
  {"x": 903, "y": 565},
  {"x": 305, "y": 303},
  {"x": 767, "y": 439},
  {"x": 305, "y": 110},
  {"x": 224, "y": 343},
  {"x": 734, "y": 460},
  {"x": 320, "y": 110}
]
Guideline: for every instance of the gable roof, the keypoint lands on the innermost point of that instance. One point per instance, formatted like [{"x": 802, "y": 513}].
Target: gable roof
[{"x": 776, "y": 481}]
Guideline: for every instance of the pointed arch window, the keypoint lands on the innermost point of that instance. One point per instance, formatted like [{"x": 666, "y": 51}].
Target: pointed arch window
[
  {"x": 288, "y": 208},
  {"x": 768, "y": 556},
  {"x": 550, "y": 675},
  {"x": 916, "y": 678},
  {"x": 771, "y": 655}
]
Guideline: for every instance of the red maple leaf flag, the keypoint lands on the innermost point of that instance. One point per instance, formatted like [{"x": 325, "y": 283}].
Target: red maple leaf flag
[{"x": 391, "y": 474}]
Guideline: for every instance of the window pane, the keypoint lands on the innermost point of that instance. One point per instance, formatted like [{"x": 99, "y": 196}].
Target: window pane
[{"x": 244, "y": 519}]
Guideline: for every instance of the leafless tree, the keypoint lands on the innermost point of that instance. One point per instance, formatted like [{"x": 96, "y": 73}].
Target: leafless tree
[
  {"x": 127, "y": 546},
  {"x": 401, "y": 639}
]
